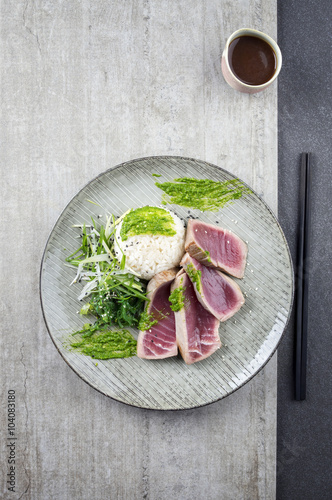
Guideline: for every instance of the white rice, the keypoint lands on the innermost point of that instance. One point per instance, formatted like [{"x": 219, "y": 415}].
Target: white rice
[{"x": 148, "y": 255}]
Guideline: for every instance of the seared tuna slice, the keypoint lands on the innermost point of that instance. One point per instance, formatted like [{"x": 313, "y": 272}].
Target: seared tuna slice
[
  {"x": 196, "y": 329},
  {"x": 218, "y": 293},
  {"x": 157, "y": 339},
  {"x": 216, "y": 247}
]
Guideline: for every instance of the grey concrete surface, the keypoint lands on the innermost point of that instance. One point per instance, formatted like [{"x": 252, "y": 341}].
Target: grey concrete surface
[
  {"x": 305, "y": 124},
  {"x": 85, "y": 86}
]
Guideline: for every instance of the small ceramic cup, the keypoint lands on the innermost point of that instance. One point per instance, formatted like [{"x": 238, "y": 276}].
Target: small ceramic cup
[{"x": 230, "y": 77}]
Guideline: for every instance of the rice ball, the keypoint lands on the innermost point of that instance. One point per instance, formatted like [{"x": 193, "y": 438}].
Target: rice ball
[{"x": 148, "y": 254}]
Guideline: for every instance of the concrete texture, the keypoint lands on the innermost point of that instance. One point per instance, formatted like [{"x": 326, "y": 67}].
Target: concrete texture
[
  {"x": 87, "y": 85},
  {"x": 305, "y": 124}
]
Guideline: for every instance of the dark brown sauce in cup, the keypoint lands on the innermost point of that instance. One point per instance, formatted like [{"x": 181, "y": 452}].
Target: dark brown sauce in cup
[{"x": 252, "y": 60}]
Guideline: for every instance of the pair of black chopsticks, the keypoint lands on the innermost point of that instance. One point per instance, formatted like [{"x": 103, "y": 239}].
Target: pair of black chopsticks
[{"x": 303, "y": 264}]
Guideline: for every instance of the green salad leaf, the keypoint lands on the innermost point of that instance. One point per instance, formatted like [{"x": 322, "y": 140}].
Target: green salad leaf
[{"x": 116, "y": 297}]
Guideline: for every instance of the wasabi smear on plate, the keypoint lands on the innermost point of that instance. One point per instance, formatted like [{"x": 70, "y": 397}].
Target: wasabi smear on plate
[
  {"x": 104, "y": 343},
  {"x": 202, "y": 194}
]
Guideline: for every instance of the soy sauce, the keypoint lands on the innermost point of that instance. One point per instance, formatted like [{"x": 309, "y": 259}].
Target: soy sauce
[{"x": 252, "y": 60}]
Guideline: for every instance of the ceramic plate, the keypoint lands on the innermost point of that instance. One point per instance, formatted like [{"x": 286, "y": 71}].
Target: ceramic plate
[{"x": 248, "y": 339}]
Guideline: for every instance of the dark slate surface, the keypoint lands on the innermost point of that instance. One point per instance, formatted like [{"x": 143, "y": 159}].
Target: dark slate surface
[{"x": 304, "y": 453}]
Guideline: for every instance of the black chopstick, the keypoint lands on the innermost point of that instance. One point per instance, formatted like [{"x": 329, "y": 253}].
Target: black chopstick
[{"x": 303, "y": 279}]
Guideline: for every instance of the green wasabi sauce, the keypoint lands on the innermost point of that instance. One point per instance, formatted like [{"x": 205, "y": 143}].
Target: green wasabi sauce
[
  {"x": 202, "y": 194},
  {"x": 147, "y": 220},
  {"x": 107, "y": 344},
  {"x": 195, "y": 276},
  {"x": 177, "y": 299}
]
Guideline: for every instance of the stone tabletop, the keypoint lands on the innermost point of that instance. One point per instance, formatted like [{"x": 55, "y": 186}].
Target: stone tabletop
[{"x": 86, "y": 86}]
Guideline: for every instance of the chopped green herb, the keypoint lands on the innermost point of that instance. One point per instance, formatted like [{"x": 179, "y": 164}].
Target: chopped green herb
[
  {"x": 195, "y": 276},
  {"x": 177, "y": 299},
  {"x": 147, "y": 321},
  {"x": 202, "y": 194},
  {"x": 156, "y": 175},
  {"x": 207, "y": 253}
]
